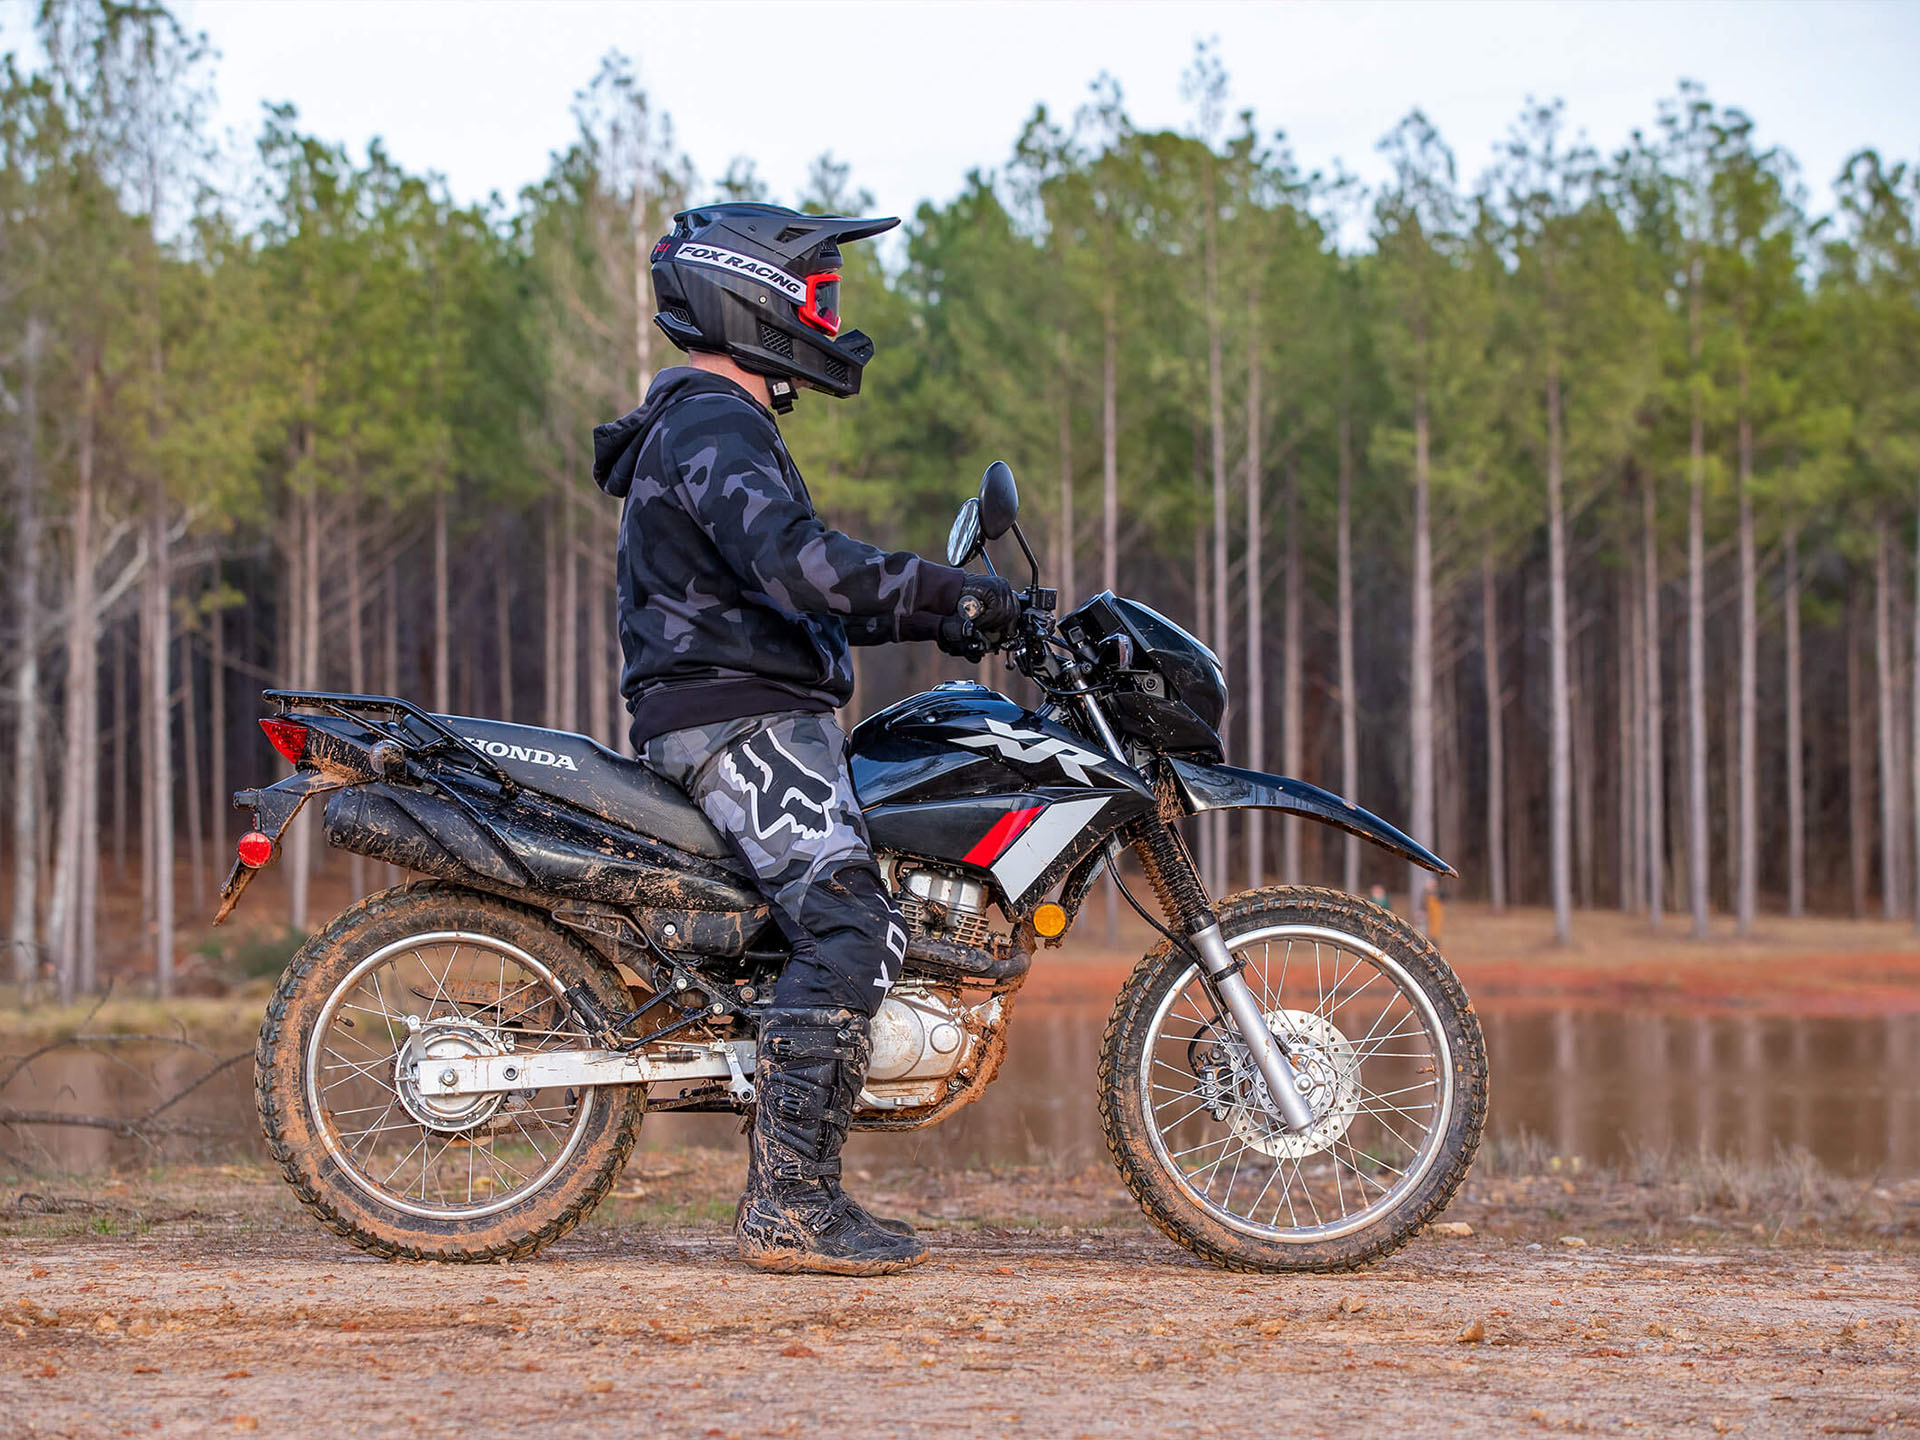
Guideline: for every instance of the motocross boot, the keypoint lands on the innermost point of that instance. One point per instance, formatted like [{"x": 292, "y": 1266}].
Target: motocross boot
[{"x": 794, "y": 1216}]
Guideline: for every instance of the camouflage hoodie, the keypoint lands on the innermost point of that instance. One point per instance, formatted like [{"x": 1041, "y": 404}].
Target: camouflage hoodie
[{"x": 734, "y": 598}]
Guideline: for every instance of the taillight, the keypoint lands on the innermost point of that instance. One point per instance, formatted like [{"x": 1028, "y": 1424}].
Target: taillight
[{"x": 288, "y": 737}]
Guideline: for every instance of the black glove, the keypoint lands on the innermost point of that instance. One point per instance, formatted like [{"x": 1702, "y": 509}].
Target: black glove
[
  {"x": 959, "y": 637},
  {"x": 989, "y": 602}
]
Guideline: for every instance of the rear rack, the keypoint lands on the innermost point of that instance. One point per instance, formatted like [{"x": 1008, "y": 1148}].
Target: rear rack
[{"x": 357, "y": 707}]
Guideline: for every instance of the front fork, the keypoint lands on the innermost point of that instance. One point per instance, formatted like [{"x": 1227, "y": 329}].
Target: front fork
[{"x": 1170, "y": 870}]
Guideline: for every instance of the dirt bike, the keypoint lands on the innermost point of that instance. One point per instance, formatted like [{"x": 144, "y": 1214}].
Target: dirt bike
[{"x": 1292, "y": 1079}]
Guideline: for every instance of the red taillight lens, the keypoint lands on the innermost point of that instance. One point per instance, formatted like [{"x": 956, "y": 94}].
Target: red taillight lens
[
  {"x": 288, "y": 737},
  {"x": 255, "y": 849}
]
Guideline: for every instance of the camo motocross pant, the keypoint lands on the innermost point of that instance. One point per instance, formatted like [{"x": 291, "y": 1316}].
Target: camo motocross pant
[{"x": 777, "y": 787}]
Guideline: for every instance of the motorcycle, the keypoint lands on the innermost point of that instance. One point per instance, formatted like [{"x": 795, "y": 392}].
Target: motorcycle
[{"x": 456, "y": 1069}]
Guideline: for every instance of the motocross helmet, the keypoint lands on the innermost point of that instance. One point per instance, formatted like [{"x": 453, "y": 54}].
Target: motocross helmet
[{"x": 761, "y": 284}]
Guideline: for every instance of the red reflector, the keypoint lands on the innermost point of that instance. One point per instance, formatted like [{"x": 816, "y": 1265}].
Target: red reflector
[
  {"x": 1005, "y": 831},
  {"x": 255, "y": 849},
  {"x": 288, "y": 737}
]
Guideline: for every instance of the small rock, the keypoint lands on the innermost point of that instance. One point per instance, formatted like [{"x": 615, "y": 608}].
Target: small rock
[
  {"x": 599, "y": 1387},
  {"x": 1573, "y": 1242},
  {"x": 1474, "y": 1333},
  {"x": 797, "y": 1351},
  {"x": 1453, "y": 1229},
  {"x": 1271, "y": 1328},
  {"x": 1351, "y": 1305}
]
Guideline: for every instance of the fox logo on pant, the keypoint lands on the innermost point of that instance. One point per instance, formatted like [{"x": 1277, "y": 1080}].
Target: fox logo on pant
[{"x": 781, "y": 793}]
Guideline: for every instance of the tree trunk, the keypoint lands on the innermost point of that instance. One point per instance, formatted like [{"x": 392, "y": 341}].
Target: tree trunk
[
  {"x": 1349, "y": 685},
  {"x": 1110, "y": 510},
  {"x": 1697, "y": 631},
  {"x": 1655, "y": 809},
  {"x": 1884, "y": 682},
  {"x": 1496, "y": 735},
  {"x": 26, "y": 686},
  {"x": 1796, "y": 778},
  {"x": 503, "y": 625},
  {"x": 190, "y": 772},
  {"x": 550, "y": 678},
  {"x": 1913, "y": 751},
  {"x": 569, "y": 622},
  {"x": 599, "y": 675},
  {"x": 306, "y": 665},
  {"x": 442, "y": 626},
  {"x": 1068, "y": 592},
  {"x": 1856, "y": 759},
  {"x": 356, "y": 644},
  {"x": 1747, "y": 900},
  {"x": 64, "y": 925},
  {"x": 1560, "y": 734},
  {"x": 1626, "y": 751},
  {"x": 122, "y": 735},
  {"x": 219, "y": 798},
  {"x": 1217, "y": 427},
  {"x": 1581, "y": 700},
  {"x": 390, "y": 657},
  {"x": 1420, "y": 705},
  {"x": 156, "y": 591},
  {"x": 1256, "y": 685},
  {"x": 1293, "y": 673}
]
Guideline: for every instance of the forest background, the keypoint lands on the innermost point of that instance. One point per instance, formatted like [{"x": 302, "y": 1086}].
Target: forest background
[{"x": 1569, "y": 516}]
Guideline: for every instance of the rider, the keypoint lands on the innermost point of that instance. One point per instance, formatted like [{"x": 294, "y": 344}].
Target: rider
[{"x": 737, "y": 607}]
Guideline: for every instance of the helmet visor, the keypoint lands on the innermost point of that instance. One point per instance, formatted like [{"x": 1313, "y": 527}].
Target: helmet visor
[{"x": 822, "y": 307}]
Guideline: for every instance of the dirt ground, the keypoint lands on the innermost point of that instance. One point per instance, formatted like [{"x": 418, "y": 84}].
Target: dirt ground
[{"x": 195, "y": 1302}]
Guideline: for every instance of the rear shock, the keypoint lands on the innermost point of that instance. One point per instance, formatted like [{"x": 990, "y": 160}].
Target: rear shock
[{"x": 1169, "y": 869}]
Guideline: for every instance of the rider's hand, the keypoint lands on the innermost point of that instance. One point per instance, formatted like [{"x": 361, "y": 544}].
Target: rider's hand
[
  {"x": 959, "y": 637},
  {"x": 989, "y": 602}
]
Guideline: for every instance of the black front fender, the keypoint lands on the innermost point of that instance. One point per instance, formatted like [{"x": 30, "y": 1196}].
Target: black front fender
[{"x": 1226, "y": 787}]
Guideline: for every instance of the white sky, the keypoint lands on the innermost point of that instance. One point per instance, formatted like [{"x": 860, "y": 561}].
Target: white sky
[{"x": 915, "y": 95}]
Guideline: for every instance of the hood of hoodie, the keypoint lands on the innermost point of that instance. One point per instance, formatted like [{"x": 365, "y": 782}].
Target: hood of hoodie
[{"x": 618, "y": 443}]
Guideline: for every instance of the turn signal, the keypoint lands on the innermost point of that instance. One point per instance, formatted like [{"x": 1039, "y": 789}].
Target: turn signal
[
  {"x": 1049, "y": 921},
  {"x": 255, "y": 849}
]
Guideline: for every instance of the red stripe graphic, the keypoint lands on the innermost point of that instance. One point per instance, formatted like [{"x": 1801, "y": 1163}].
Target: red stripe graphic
[{"x": 1005, "y": 831}]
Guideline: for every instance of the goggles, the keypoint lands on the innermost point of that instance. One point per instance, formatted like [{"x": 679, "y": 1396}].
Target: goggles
[{"x": 822, "y": 306}]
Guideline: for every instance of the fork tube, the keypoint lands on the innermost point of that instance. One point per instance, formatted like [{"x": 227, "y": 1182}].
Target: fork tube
[{"x": 1170, "y": 871}]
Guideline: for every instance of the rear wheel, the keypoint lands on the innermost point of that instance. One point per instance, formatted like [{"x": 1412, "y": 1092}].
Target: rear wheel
[
  {"x": 1390, "y": 1059},
  {"x": 427, "y": 973}
]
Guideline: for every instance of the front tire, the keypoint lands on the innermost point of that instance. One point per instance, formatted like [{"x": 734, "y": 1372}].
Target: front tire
[
  {"x": 1382, "y": 1033},
  {"x": 406, "y": 1175}
]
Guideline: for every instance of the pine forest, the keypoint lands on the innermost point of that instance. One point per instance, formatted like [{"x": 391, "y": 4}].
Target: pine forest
[{"x": 1562, "y": 508}]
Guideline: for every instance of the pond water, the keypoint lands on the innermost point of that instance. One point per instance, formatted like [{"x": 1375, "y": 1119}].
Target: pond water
[{"x": 1595, "y": 1084}]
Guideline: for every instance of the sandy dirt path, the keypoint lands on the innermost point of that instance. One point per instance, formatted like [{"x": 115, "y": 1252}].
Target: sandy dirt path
[{"x": 625, "y": 1330}]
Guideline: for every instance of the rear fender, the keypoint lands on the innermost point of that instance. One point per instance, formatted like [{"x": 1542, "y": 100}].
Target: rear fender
[{"x": 1227, "y": 787}]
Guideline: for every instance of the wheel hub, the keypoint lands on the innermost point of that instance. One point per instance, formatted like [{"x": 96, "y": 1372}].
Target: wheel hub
[
  {"x": 1323, "y": 1061},
  {"x": 430, "y": 1043}
]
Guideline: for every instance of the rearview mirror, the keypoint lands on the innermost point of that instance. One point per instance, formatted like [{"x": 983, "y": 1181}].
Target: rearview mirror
[
  {"x": 999, "y": 501},
  {"x": 964, "y": 540}
]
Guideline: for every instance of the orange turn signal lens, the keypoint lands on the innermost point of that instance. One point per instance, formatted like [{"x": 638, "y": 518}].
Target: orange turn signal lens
[{"x": 1049, "y": 921}]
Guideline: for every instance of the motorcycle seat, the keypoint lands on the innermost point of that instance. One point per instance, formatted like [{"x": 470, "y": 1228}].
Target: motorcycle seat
[{"x": 585, "y": 774}]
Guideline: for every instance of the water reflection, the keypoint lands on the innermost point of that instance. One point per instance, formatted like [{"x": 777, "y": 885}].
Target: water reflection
[{"x": 1594, "y": 1084}]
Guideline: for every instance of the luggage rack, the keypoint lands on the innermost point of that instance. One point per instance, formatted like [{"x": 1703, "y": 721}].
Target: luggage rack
[{"x": 350, "y": 706}]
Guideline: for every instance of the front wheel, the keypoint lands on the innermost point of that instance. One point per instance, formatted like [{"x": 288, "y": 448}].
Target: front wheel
[{"x": 1390, "y": 1059}]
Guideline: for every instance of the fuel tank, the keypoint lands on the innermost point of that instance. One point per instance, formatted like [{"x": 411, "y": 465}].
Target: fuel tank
[{"x": 962, "y": 775}]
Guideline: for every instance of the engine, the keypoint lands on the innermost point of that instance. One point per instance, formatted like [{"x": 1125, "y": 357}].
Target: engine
[{"x": 929, "y": 1036}]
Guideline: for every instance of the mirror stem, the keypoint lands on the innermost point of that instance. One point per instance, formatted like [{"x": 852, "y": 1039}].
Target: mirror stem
[{"x": 1026, "y": 549}]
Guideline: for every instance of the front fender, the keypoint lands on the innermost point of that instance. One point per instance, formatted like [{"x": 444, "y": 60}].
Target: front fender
[{"x": 1227, "y": 787}]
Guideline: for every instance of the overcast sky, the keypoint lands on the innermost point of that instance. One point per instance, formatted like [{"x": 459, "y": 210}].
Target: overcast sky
[{"x": 916, "y": 95}]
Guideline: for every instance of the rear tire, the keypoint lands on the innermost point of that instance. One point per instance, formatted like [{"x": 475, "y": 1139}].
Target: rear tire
[
  {"x": 1203, "y": 1164},
  {"x": 307, "y": 1089}
]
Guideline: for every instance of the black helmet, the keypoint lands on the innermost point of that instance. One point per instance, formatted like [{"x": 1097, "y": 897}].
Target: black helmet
[{"x": 762, "y": 284}]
